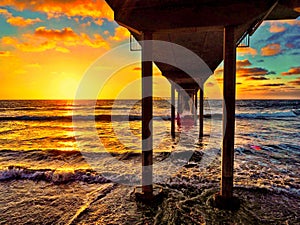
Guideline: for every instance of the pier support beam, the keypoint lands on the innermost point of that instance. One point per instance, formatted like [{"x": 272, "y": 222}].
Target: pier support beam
[
  {"x": 196, "y": 106},
  {"x": 173, "y": 110},
  {"x": 179, "y": 108},
  {"x": 147, "y": 114},
  {"x": 201, "y": 113},
  {"x": 225, "y": 199}
]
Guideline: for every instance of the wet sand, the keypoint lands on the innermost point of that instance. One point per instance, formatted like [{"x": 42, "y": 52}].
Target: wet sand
[{"x": 80, "y": 203}]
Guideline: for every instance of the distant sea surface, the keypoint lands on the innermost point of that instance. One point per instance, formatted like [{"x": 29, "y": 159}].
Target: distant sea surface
[{"x": 51, "y": 173}]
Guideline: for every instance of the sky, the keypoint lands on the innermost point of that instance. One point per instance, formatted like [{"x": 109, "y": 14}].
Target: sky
[{"x": 46, "y": 47}]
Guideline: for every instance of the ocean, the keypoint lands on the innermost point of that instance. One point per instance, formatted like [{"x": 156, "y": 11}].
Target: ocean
[{"x": 77, "y": 163}]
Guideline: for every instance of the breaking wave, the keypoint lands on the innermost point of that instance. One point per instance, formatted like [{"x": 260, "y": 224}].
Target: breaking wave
[{"x": 54, "y": 176}]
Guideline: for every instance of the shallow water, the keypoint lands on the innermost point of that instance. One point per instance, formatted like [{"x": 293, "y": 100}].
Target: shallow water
[{"x": 49, "y": 176}]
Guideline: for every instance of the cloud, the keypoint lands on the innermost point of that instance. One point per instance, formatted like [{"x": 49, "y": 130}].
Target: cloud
[
  {"x": 258, "y": 78},
  {"x": 22, "y": 22},
  {"x": 18, "y": 20},
  {"x": 34, "y": 46},
  {"x": 137, "y": 69},
  {"x": 289, "y": 45},
  {"x": 121, "y": 34},
  {"x": 56, "y": 8},
  {"x": 246, "y": 51},
  {"x": 239, "y": 64},
  {"x": 290, "y": 22},
  {"x": 295, "y": 82},
  {"x": 292, "y": 71},
  {"x": 99, "y": 22},
  {"x": 277, "y": 27},
  {"x": 5, "y": 13},
  {"x": 249, "y": 72},
  {"x": 243, "y": 63},
  {"x": 210, "y": 84},
  {"x": 66, "y": 34},
  {"x": 273, "y": 85},
  {"x": 220, "y": 79},
  {"x": 271, "y": 50},
  {"x": 59, "y": 40},
  {"x": 5, "y": 54},
  {"x": 242, "y": 71},
  {"x": 288, "y": 39},
  {"x": 68, "y": 37},
  {"x": 281, "y": 25}
]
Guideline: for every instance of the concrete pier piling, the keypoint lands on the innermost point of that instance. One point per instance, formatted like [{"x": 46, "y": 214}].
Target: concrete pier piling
[
  {"x": 228, "y": 112},
  {"x": 147, "y": 115},
  {"x": 201, "y": 113},
  {"x": 173, "y": 110},
  {"x": 226, "y": 199}
]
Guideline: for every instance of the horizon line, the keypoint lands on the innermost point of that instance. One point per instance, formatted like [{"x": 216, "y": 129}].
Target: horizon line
[{"x": 155, "y": 98}]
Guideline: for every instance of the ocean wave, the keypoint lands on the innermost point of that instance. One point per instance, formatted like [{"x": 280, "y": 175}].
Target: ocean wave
[
  {"x": 267, "y": 115},
  {"x": 80, "y": 118},
  {"x": 54, "y": 176}
]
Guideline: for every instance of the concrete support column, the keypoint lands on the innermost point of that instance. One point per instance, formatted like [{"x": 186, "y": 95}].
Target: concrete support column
[
  {"x": 228, "y": 113},
  {"x": 196, "y": 99},
  {"x": 147, "y": 114},
  {"x": 196, "y": 106},
  {"x": 225, "y": 199},
  {"x": 173, "y": 110},
  {"x": 192, "y": 99},
  {"x": 179, "y": 107},
  {"x": 201, "y": 113}
]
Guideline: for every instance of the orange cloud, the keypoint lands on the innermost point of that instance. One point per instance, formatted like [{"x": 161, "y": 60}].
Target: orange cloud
[
  {"x": 290, "y": 22},
  {"x": 273, "y": 85},
  {"x": 66, "y": 34},
  {"x": 248, "y": 72},
  {"x": 99, "y": 22},
  {"x": 5, "y": 54},
  {"x": 295, "y": 82},
  {"x": 137, "y": 69},
  {"x": 277, "y": 28},
  {"x": 121, "y": 34},
  {"x": 34, "y": 46},
  {"x": 56, "y": 8},
  {"x": 271, "y": 49},
  {"x": 5, "y": 13},
  {"x": 243, "y": 63},
  {"x": 59, "y": 40},
  {"x": 239, "y": 65},
  {"x": 22, "y": 22},
  {"x": 258, "y": 78},
  {"x": 246, "y": 51},
  {"x": 18, "y": 20},
  {"x": 70, "y": 38},
  {"x": 292, "y": 71}
]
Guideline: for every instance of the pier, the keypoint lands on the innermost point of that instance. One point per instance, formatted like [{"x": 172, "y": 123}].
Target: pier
[{"x": 212, "y": 30}]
